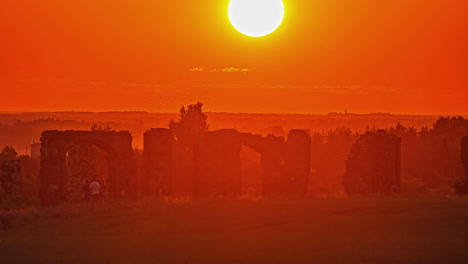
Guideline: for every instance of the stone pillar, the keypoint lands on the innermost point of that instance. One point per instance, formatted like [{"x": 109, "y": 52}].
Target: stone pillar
[
  {"x": 273, "y": 165},
  {"x": 52, "y": 171},
  {"x": 272, "y": 150},
  {"x": 295, "y": 177},
  {"x": 464, "y": 155},
  {"x": 157, "y": 161},
  {"x": 122, "y": 171},
  {"x": 217, "y": 165},
  {"x": 373, "y": 165}
]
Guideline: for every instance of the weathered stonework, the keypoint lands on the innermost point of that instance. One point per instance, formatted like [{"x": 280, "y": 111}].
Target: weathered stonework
[
  {"x": 213, "y": 167},
  {"x": 55, "y": 145},
  {"x": 157, "y": 161},
  {"x": 297, "y": 162},
  {"x": 217, "y": 164},
  {"x": 272, "y": 150},
  {"x": 373, "y": 165},
  {"x": 464, "y": 155},
  {"x": 286, "y": 165},
  {"x": 10, "y": 176}
]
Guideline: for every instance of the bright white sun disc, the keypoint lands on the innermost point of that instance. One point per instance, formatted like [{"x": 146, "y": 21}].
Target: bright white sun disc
[{"x": 256, "y": 18}]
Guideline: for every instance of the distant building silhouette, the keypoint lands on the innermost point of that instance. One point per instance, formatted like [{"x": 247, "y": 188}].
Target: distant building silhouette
[{"x": 35, "y": 150}]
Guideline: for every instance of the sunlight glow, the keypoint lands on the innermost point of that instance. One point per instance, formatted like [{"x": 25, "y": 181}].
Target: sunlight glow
[{"x": 256, "y": 18}]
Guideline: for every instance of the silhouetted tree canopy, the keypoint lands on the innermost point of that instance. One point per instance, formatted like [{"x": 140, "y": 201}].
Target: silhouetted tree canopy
[
  {"x": 191, "y": 124},
  {"x": 96, "y": 127},
  {"x": 8, "y": 153}
]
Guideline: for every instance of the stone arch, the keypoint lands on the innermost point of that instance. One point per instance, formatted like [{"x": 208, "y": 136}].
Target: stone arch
[
  {"x": 215, "y": 165},
  {"x": 217, "y": 170},
  {"x": 271, "y": 149},
  {"x": 55, "y": 145},
  {"x": 286, "y": 164}
]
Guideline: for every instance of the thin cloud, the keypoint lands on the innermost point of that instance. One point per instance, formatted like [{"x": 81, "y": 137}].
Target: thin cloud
[
  {"x": 98, "y": 83},
  {"x": 197, "y": 69},
  {"x": 349, "y": 89},
  {"x": 147, "y": 85},
  {"x": 225, "y": 70},
  {"x": 231, "y": 69}
]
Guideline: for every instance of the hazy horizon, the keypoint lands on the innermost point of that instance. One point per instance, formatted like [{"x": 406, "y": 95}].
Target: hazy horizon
[{"x": 223, "y": 112}]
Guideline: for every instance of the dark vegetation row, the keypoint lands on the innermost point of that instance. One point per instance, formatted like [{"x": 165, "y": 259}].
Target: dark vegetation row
[{"x": 430, "y": 160}]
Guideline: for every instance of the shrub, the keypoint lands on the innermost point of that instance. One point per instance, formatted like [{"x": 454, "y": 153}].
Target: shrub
[
  {"x": 461, "y": 187},
  {"x": 17, "y": 202}
]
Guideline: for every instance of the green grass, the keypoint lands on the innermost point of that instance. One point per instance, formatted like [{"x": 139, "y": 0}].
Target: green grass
[{"x": 363, "y": 230}]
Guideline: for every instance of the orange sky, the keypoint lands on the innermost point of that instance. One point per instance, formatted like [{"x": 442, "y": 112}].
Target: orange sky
[{"x": 401, "y": 56}]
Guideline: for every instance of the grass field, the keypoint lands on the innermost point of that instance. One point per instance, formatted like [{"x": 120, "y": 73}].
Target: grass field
[{"x": 363, "y": 230}]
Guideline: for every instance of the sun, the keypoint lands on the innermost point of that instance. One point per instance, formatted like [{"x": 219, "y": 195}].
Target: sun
[{"x": 256, "y": 18}]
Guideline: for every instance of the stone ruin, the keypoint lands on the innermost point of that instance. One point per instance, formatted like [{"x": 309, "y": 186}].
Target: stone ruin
[
  {"x": 373, "y": 165},
  {"x": 213, "y": 167},
  {"x": 286, "y": 164},
  {"x": 56, "y": 144},
  {"x": 464, "y": 155},
  {"x": 158, "y": 149},
  {"x": 10, "y": 177}
]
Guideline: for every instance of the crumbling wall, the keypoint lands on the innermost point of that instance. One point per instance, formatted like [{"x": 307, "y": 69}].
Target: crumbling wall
[
  {"x": 373, "y": 165},
  {"x": 464, "y": 155},
  {"x": 53, "y": 172},
  {"x": 10, "y": 176},
  {"x": 272, "y": 150},
  {"x": 217, "y": 164},
  {"x": 157, "y": 161},
  {"x": 212, "y": 167},
  {"x": 286, "y": 165},
  {"x": 297, "y": 162}
]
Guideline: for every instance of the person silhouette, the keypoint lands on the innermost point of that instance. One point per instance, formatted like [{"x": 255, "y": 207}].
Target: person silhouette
[{"x": 94, "y": 188}]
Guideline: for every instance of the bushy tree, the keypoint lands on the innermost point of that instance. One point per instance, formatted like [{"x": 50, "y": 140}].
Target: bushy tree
[
  {"x": 8, "y": 153},
  {"x": 461, "y": 187},
  {"x": 191, "y": 124},
  {"x": 96, "y": 127}
]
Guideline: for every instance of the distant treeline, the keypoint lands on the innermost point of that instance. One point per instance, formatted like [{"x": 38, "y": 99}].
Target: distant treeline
[
  {"x": 18, "y": 129},
  {"x": 430, "y": 163}
]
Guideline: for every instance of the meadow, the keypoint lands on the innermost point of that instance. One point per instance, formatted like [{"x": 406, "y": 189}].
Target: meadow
[{"x": 355, "y": 230}]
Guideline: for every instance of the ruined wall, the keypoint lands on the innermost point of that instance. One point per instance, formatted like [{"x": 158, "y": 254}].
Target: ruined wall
[
  {"x": 217, "y": 164},
  {"x": 464, "y": 155},
  {"x": 286, "y": 165},
  {"x": 212, "y": 168},
  {"x": 157, "y": 161},
  {"x": 297, "y": 162},
  {"x": 373, "y": 165},
  {"x": 10, "y": 176},
  {"x": 272, "y": 160},
  {"x": 53, "y": 172}
]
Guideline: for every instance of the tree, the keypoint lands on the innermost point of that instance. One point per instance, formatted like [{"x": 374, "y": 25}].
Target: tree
[
  {"x": 8, "y": 153},
  {"x": 461, "y": 187},
  {"x": 96, "y": 127},
  {"x": 191, "y": 124}
]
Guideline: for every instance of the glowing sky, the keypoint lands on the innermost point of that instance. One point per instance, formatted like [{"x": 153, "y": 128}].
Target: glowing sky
[{"x": 369, "y": 56}]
